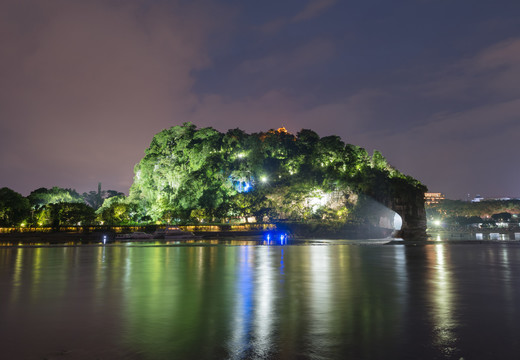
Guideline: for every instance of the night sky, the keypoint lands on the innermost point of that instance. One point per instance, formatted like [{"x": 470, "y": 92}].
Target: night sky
[{"x": 432, "y": 84}]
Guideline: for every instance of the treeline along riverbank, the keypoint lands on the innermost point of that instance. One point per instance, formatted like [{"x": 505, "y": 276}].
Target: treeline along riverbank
[
  {"x": 190, "y": 175},
  {"x": 96, "y": 233}
]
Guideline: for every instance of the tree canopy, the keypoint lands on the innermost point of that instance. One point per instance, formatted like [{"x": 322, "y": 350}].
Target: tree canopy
[
  {"x": 487, "y": 208},
  {"x": 43, "y": 196},
  {"x": 190, "y": 174},
  {"x": 205, "y": 174},
  {"x": 96, "y": 198},
  {"x": 14, "y": 208},
  {"x": 57, "y": 207}
]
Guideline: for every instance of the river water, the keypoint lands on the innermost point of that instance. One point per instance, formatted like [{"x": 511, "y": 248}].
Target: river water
[{"x": 249, "y": 300}]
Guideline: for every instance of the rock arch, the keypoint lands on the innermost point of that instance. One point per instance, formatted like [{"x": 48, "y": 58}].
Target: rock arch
[
  {"x": 407, "y": 200},
  {"x": 413, "y": 216}
]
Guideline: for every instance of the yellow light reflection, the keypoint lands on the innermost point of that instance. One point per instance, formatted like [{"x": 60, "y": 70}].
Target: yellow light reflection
[
  {"x": 506, "y": 269},
  {"x": 321, "y": 290},
  {"x": 36, "y": 271},
  {"x": 265, "y": 279},
  {"x": 401, "y": 273},
  {"x": 17, "y": 276},
  {"x": 443, "y": 297},
  {"x": 241, "y": 317}
]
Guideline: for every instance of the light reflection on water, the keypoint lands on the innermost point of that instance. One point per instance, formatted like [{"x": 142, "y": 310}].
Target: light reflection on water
[
  {"x": 442, "y": 294},
  {"x": 319, "y": 301}
]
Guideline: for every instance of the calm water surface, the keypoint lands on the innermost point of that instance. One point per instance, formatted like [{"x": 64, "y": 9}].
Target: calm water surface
[{"x": 311, "y": 300}]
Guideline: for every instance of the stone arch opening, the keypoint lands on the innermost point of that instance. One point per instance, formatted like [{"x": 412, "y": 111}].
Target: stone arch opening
[
  {"x": 377, "y": 214},
  {"x": 398, "y": 222},
  {"x": 412, "y": 213}
]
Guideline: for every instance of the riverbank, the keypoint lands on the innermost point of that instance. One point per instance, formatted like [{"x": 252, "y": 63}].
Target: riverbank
[
  {"x": 475, "y": 234},
  {"x": 96, "y": 234},
  {"x": 51, "y": 237},
  {"x": 54, "y": 238}
]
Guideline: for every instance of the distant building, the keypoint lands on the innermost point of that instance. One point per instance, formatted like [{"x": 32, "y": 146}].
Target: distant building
[
  {"x": 477, "y": 198},
  {"x": 433, "y": 198}
]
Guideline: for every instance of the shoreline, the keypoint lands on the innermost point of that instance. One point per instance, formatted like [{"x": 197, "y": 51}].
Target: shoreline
[
  {"x": 294, "y": 230},
  {"x": 95, "y": 239}
]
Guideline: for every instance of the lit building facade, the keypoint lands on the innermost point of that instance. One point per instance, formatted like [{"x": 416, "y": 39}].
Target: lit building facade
[{"x": 433, "y": 198}]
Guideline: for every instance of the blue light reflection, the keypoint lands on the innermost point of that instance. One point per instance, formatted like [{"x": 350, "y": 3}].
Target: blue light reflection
[
  {"x": 276, "y": 238},
  {"x": 242, "y": 185}
]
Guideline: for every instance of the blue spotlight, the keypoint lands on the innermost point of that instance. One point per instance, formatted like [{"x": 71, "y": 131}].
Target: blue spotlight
[{"x": 276, "y": 237}]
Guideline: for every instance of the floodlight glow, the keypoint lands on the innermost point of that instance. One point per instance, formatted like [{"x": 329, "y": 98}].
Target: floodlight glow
[
  {"x": 241, "y": 185},
  {"x": 317, "y": 199},
  {"x": 241, "y": 155},
  {"x": 275, "y": 237},
  {"x": 437, "y": 223},
  {"x": 263, "y": 179}
]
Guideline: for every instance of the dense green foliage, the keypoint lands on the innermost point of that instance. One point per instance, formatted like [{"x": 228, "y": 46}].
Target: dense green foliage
[
  {"x": 96, "y": 198},
  {"x": 462, "y": 213},
  {"x": 43, "y": 196},
  {"x": 56, "y": 207},
  {"x": 14, "y": 208},
  {"x": 118, "y": 210},
  {"x": 192, "y": 175},
  {"x": 66, "y": 214},
  {"x": 189, "y": 173},
  {"x": 483, "y": 209}
]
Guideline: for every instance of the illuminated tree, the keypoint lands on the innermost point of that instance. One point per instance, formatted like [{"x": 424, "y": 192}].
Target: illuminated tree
[
  {"x": 202, "y": 173},
  {"x": 66, "y": 214},
  {"x": 457, "y": 208},
  {"x": 118, "y": 210},
  {"x": 14, "y": 208},
  {"x": 43, "y": 196}
]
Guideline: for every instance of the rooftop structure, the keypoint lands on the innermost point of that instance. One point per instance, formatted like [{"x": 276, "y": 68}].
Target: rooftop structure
[
  {"x": 433, "y": 198},
  {"x": 477, "y": 198}
]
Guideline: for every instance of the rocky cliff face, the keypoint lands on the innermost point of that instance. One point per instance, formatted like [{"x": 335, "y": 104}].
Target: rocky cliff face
[
  {"x": 411, "y": 209},
  {"x": 406, "y": 199}
]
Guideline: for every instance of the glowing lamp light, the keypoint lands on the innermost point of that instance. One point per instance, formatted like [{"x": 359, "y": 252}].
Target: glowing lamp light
[
  {"x": 316, "y": 199},
  {"x": 263, "y": 179},
  {"x": 241, "y": 155},
  {"x": 244, "y": 186},
  {"x": 276, "y": 238},
  {"x": 437, "y": 223}
]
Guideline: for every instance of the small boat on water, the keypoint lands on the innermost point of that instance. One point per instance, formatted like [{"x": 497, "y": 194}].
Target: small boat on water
[
  {"x": 173, "y": 233},
  {"x": 138, "y": 235}
]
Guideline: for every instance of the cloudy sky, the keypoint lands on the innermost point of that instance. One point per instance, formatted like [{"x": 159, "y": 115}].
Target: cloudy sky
[{"x": 432, "y": 84}]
